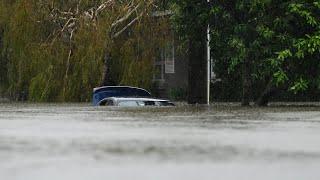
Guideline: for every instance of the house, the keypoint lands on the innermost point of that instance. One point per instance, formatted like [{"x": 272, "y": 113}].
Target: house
[
  {"x": 170, "y": 79},
  {"x": 171, "y": 72},
  {"x": 172, "y": 66}
]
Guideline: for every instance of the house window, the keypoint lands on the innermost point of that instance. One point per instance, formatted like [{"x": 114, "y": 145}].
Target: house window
[
  {"x": 169, "y": 58},
  {"x": 164, "y": 62}
]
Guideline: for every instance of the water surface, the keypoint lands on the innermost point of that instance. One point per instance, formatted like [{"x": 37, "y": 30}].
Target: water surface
[{"x": 78, "y": 141}]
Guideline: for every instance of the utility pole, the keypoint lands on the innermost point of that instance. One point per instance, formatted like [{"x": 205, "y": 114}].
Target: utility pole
[{"x": 208, "y": 63}]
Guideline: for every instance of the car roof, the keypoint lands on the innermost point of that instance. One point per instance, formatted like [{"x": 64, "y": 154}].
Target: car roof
[{"x": 117, "y": 87}]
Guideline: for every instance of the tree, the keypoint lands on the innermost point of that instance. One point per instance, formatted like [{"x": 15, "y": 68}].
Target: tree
[
  {"x": 57, "y": 50},
  {"x": 4, "y": 16},
  {"x": 297, "y": 64},
  {"x": 191, "y": 20},
  {"x": 293, "y": 61},
  {"x": 265, "y": 42},
  {"x": 241, "y": 41}
]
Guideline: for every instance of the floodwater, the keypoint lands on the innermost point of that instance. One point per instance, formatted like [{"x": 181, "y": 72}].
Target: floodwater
[{"x": 223, "y": 142}]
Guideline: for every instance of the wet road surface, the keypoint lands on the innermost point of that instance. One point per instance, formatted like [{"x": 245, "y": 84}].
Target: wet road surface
[{"x": 77, "y": 141}]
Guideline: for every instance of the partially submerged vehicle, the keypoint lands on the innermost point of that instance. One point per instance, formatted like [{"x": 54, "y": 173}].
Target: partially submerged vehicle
[
  {"x": 134, "y": 102},
  {"x": 125, "y": 96}
]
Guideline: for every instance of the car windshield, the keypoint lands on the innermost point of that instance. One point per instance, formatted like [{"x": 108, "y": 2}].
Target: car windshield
[{"x": 149, "y": 103}]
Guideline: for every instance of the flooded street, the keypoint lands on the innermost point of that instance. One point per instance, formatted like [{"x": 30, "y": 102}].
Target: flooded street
[{"x": 78, "y": 141}]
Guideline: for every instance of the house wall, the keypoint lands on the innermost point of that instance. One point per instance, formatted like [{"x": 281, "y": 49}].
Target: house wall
[
  {"x": 170, "y": 82},
  {"x": 173, "y": 84},
  {"x": 177, "y": 81}
]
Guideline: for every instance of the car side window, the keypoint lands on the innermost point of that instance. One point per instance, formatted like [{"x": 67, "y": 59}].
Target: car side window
[{"x": 109, "y": 103}]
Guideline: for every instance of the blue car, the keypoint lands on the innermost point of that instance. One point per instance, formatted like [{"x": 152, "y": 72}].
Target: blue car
[{"x": 101, "y": 93}]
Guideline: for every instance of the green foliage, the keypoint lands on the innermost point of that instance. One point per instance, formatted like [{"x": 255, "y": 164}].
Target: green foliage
[
  {"x": 280, "y": 77},
  {"x": 189, "y": 15},
  {"x": 299, "y": 85},
  {"x": 54, "y": 51},
  {"x": 178, "y": 94},
  {"x": 276, "y": 40},
  {"x": 304, "y": 47}
]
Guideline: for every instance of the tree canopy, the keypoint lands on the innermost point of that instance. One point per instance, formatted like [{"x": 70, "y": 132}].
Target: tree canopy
[
  {"x": 54, "y": 50},
  {"x": 260, "y": 43}
]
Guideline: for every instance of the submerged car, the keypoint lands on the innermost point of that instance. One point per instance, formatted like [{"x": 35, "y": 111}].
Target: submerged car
[
  {"x": 134, "y": 102},
  {"x": 125, "y": 96}
]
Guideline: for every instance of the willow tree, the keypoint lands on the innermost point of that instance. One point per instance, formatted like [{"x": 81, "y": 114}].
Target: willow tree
[
  {"x": 60, "y": 50},
  {"x": 5, "y": 7}
]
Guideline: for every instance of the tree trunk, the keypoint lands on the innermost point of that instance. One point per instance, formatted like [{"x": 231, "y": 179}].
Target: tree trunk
[
  {"x": 197, "y": 68},
  {"x": 107, "y": 78},
  {"x": 246, "y": 84},
  {"x": 264, "y": 98}
]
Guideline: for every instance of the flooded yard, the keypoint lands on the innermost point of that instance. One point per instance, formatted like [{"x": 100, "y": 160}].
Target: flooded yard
[{"x": 78, "y": 141}]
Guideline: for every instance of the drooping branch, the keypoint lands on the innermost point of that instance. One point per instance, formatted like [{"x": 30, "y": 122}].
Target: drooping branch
[
  {"x": 126, "y": 16},
  {"x": 120, "y": 15},
  {"x": 127, "y": 26},
  {"x": 129, "y": 14}
]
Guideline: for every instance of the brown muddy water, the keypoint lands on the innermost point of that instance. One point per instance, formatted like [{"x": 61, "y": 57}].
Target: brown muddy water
[{"x": 224, "y": 142}]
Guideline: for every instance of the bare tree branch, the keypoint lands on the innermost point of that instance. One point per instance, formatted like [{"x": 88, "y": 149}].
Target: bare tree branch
[
  {"x": 127, "y": 26},
  {"x": 127, "y": 15}
]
